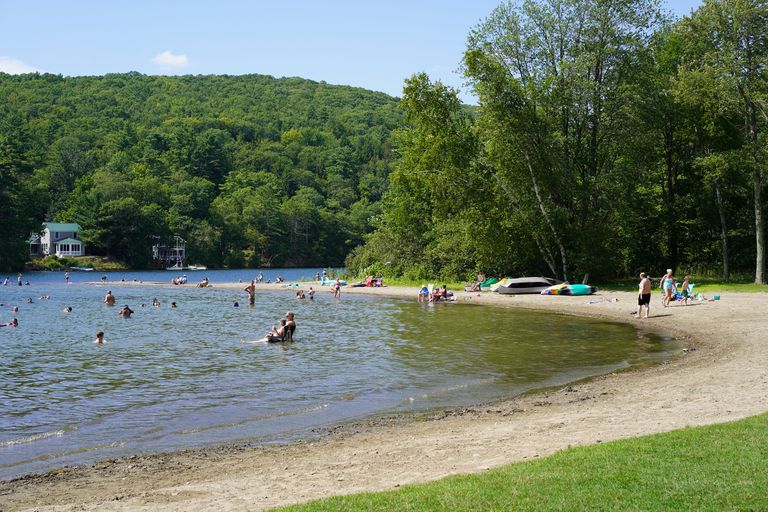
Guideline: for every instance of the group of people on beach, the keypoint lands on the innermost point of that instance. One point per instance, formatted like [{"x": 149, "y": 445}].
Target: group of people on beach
[
  {"x": 668, "y": 284},
  {"x": 435, "y": 295}
]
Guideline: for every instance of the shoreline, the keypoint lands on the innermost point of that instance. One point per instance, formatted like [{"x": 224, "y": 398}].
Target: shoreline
[{"x": 725, "y": 378}]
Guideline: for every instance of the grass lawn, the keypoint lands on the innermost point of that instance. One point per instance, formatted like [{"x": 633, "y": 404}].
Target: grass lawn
[{"x": 718, "y": 467}]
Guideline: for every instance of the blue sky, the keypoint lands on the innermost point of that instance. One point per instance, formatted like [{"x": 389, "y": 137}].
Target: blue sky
[{"x": 365, "y": 44}]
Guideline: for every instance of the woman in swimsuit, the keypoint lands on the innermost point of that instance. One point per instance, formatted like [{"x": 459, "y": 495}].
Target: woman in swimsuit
[{"x": 667, "y": 283}]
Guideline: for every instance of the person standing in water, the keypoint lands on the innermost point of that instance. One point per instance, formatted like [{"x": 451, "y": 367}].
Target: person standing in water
[
  {"x": 19, "y": 278},
  {"x": 99, "y": 338},
  {"x": 644, "y": 296},
  {"x": 251, "y": 290},
  {"x": 290, "y": 325},
  {"x": 109, "y": 299},
  {"x": 66, "y": 277}
]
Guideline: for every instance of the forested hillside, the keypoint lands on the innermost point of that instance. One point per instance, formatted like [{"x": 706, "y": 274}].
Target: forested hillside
[
  {"x": 609, "y": 140},
  {"x": 250, "y": 170}
]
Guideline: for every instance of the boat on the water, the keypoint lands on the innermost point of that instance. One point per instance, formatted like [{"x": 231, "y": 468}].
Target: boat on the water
[
  {"x": 82, "y": 269},
  {"x": 180, "y": 266},
  {"x": 525, "y": 285},
  {"x": 570, "y": 289}
]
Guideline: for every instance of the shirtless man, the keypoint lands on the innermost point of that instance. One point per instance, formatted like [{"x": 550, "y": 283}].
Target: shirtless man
[
  {"x": 109, "y": 299},
  {"x": 644, "y": 295},
  {"x": 251, "y": 290}
]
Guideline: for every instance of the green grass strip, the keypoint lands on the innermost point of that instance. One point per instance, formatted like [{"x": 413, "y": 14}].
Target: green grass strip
[{"x": 718, "y": 467}]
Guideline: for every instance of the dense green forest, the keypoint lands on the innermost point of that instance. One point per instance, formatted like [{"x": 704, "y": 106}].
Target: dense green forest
[
  {"x": 609, "y": 139},
  {"x": 250, "y": 170}
]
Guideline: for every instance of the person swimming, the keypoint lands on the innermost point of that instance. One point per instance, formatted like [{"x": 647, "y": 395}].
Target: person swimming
[
  {"x": 99, "y": 338},
  {"x": 12, "y": 323},
  {"x": 125, "y": 311}
]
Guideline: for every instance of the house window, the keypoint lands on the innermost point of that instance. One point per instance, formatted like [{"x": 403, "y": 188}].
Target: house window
[
  {"x": 45, "y": 247},
  {"x": 56, "y": 235},
  {"x": 75, "y": 247},
  {"x": 64, "y": 247}
]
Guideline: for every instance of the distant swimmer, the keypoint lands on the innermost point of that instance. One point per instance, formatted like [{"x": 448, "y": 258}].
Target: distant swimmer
[
  {"x": 251, "y": 291},
  {"x": 173, "y": 304},
  {"x": 66, "y": 277},
  {"x": 311, "y": 293},
  {"x": 300, "y": 295},
  {"x": 109, "y": 299},
  {"x": 29, "y": 300},
  {"x": 67, "y": 309},
  {"x": 236, "y": 305},
  {"x": 125, "y": 312},
  {"x": 12, "y": 323},
  {"x": 155, "y": 303},
  {"x": 99, "y": 338}
]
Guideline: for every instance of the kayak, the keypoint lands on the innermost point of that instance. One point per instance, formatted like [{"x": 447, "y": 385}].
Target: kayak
[{"x": 570, "y": 289}]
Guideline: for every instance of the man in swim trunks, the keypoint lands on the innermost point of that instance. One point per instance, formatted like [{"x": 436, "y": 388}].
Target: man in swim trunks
[
  {"x": 644, "y": 295},
  {"x": 109, "y": 299},
  {"x": 251, "y": 291}
]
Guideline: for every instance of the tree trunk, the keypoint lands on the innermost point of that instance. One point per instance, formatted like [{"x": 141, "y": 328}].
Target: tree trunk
[
  {"x": 544, "y": 212},
  {"x": 757, "y": 184},
  {"x": 723, "y": 232}
]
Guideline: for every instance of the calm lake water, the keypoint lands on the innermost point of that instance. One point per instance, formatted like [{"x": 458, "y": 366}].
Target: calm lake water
[{"x": 178, "y": 378}]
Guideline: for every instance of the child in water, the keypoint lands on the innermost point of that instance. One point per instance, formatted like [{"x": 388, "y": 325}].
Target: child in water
[{"x": 99, "y": 338}]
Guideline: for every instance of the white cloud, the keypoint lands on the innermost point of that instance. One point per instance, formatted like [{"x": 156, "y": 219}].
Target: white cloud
[
  {"x": 15, "y": 66},
  {"x": 170, "y": 60}
]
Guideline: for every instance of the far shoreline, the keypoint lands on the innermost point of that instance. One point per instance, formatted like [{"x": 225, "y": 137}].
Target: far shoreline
[{"x": 481, "y": 428}]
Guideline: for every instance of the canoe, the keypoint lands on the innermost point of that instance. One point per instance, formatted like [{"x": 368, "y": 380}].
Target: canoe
[
  {"x": 522, "y": 285},
  {"x": 570, "y": 289}
]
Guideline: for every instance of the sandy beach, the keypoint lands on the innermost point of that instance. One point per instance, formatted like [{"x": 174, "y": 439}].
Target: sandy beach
[{"x": 721, "y": 376}]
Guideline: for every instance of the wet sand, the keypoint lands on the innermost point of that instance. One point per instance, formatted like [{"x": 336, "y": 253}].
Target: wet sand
[{"x": 724, "y": 378}]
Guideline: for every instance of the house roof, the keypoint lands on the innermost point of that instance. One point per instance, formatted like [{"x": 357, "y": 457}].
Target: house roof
[
  {"x": 69, "y": 241},
  {"x": 62, "y": 226},
  {"x": 33, "y": 238}
]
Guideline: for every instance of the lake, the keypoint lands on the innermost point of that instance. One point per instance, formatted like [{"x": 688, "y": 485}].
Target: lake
[{"x": 178, "y": 378}]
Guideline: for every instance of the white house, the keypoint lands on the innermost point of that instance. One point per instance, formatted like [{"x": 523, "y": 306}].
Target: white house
[{"x": 59, "y": 238}]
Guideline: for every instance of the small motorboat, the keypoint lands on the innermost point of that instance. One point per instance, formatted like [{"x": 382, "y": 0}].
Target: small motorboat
[
  {"x": 82, "y": 269},
  {"x": 570, "y": 289},
  {"x": 522, "y": 285}
]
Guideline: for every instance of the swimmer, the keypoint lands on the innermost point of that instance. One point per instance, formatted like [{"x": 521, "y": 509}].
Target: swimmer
[
  {"x": 173, "y": 304},
  {"x": 29, "y": 300},
  {"x": 12, "y": 323},
  {"x": 276, "y": 334},
  {"x": 311, "y": 293},
  {"x": 67, "y": 309},
  {"x": 15, "y": 309},
  {"x": 109, "y": 299},
  {"x": 125, "y": 311},
  {"x": 235, "y": 305},
  {"x": 99, "y": 338},
  {"x": 300, "y": 295},
  {"x": 155, "y": 303}
]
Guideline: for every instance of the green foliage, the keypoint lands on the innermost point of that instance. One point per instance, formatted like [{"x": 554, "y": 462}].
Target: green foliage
[
  {"x": 250, "y": 170},
  {"x": 719, "y": 467},
  {"x": 608, "y": 140}
]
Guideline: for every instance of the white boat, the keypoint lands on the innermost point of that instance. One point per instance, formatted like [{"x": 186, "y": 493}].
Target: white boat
[
  {"x": 180, "y": 266},
  {"x": 525, "y": 285}
]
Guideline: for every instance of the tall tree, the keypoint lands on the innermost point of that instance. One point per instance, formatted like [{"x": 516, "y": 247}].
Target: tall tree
[{"x": 725, "y": 72}]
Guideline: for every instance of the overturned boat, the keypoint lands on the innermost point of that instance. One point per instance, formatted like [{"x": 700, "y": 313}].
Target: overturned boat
[{"x": 525, "y": 285}]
